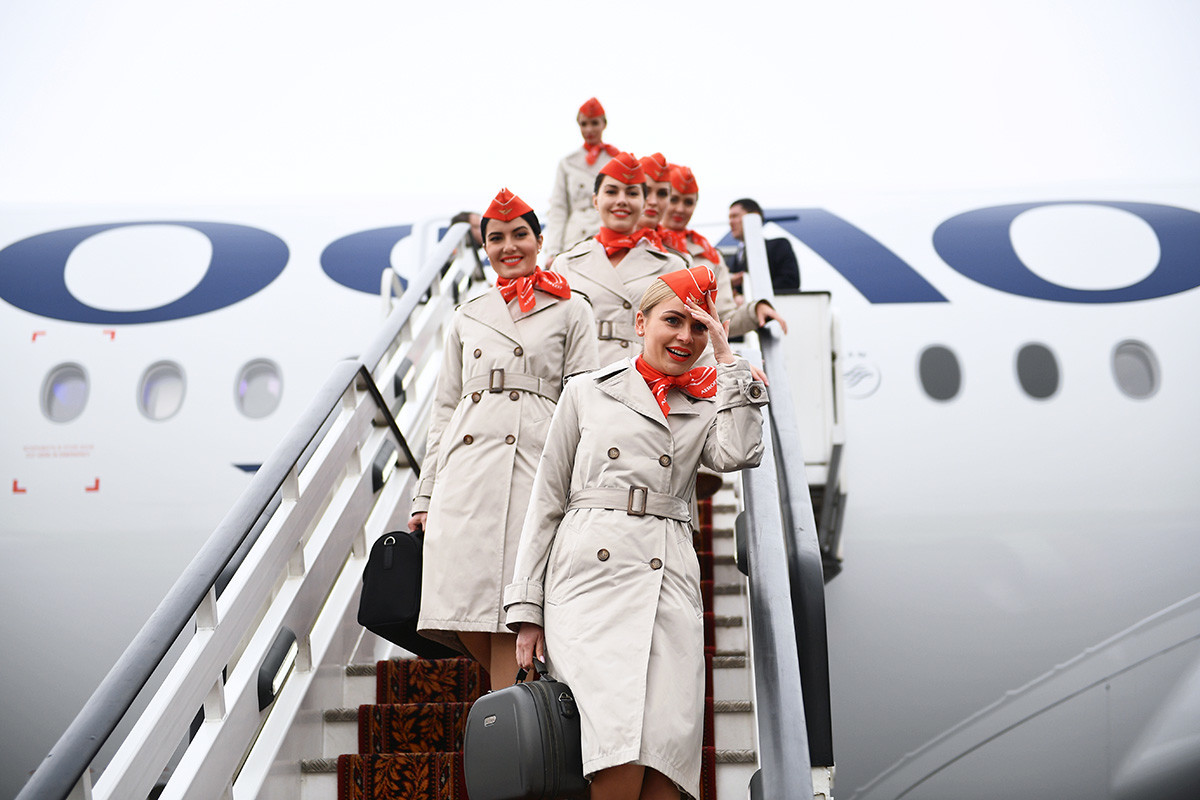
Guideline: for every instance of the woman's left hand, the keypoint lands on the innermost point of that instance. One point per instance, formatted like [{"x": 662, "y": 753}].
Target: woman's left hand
[{"x": 718, "y": 332}]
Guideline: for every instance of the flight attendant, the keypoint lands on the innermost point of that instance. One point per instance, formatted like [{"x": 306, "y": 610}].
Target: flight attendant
[
  {"x": 607, "y": 583},
  {"x": 507, "y": 355},
  {"x": 658, "y": 191},
  {"x": 684, "y": 196},
  {"x": 614, "y": 267},
  {"x": 571, "y": 216}
]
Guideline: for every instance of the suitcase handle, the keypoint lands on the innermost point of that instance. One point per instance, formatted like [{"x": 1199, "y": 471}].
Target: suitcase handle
[{"x": 539, "y": 667}]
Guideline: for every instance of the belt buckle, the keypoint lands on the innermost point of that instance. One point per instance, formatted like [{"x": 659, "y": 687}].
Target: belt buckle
[
  {"x": 493, "y": 386},
  {"x": 606, "y": 330},
  {"x": 629, "y": 507}
]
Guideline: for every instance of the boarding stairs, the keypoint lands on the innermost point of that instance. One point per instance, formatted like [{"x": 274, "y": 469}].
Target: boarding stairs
[{"x": 252, "y": 678}]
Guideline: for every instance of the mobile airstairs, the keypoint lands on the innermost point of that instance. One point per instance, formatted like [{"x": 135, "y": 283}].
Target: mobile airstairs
[{"x": 232, "y": 688}]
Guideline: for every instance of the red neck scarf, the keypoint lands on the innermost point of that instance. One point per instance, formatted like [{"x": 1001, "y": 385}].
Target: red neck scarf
[
  {"x": 698, "y": 382},
  {"x": 593, "y": 151},
  {"x": 522, "y": 287},
  {"x": 616, "y": 242},
  {"x": 677, "y": 240}
]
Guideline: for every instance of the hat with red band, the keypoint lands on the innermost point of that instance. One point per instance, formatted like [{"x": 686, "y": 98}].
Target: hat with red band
[
  {"x": 625, "y": 168},
  {"x": 697, "y": 283},
  {"x": 656, "y": 167},
  {"x": 507, "y": 207},
  {"x": 591, "y": 108},
  {"x": 682, "y": 180}
]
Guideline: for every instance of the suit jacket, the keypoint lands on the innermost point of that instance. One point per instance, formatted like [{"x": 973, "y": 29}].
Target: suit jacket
[{"x": 781, "y": 260}]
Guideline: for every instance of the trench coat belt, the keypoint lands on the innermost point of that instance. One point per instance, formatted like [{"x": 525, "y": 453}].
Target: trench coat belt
[
  {"x": 637, "y": 501},
  {"x": 615, "y": 329},
  {"x": 500, "y": 381}
]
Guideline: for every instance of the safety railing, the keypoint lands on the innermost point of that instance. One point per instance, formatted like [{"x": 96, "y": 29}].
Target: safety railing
[
  {"x": 266, "y": 599},
  {"x": 783, "y": 561}
]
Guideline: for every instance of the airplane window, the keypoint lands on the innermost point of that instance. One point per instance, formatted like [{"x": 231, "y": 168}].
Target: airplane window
[
  {"x": 160, "y": 395},
  {"x": 940, "y": 374},
  {"x": 259, "y": 388},
  {"x": 1135, "y": 369},
  {"x": 64, "y": 393},
  {"x": 1037, "y": 370}
]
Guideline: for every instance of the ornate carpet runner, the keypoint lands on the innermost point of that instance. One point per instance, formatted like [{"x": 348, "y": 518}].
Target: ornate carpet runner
[{"x": 410, "y": 741}]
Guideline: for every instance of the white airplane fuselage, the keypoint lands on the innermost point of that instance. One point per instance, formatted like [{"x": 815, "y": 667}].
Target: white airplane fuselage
[{"x": 997, "y": 527}]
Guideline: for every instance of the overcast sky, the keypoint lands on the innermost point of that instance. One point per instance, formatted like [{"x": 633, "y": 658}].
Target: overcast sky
[{"x": 431, "y": 106}]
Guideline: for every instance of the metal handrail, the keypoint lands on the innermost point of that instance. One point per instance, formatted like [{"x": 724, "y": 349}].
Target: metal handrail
[
  {"x": 74, "y": 752},
  {"x": 786, "y": 580}
]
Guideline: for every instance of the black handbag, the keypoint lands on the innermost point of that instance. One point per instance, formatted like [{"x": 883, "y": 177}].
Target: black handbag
[
  {"x": 391, "y": 594},
  {"x": 522, "y": 743}
]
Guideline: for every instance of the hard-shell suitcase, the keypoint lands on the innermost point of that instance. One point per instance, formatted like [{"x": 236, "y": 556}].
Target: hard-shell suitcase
[{"x": 522, "y": 743}]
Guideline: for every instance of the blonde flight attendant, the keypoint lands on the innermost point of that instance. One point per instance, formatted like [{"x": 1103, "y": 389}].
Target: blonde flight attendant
[
  {"x": 507, "y": 355},
  {"x": 607, "y": 583},
  {"x": 614, "y": 268},
  {"x": 571, "y": 216},
  {"x": 684, "y": 196}
]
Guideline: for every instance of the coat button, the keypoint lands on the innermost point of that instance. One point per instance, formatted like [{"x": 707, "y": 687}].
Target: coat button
[
  {"x": 509, "y": 439},
  {"x": 475, "y": 396},
  {"x": 517, "y": 351},
  {"x": 468, "y": 439},
  {"x": 613, "y": 452},
  {"x": 602, "y": 554},
  {"x": 626, "y": 304},
  {"x": 656, "y": 563},
  {"x": 513, "y": 395},
  {"x": 665, "y": 460},
  {"x": 756, "y": 392},
  {"x": 624, "y": 344},
  {"x": 478, "y": 352}
]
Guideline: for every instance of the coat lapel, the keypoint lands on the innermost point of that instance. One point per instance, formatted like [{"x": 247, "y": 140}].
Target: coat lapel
[
  {"x": 590, "y": 268},
  {"x": 640, "y": 262},
  {"x": 491, "y": 310},
  {"x": 629, "y": 388}
]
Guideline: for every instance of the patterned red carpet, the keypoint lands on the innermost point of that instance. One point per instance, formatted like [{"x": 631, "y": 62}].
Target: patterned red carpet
[{"x": 410, "y": 741}]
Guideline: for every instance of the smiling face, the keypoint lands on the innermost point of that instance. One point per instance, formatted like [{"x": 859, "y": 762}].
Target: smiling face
[
  {"x": 658, "y": 193},
  {"x": 620, "y": 204},
  {"x": 679, "y": 210},
  {"x": 512, "y": 248},
  {"x": 591, "y": 128},
  {"x": 672, "y": 339}
]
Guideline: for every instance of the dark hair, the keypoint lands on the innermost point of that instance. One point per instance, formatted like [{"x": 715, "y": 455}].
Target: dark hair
[
  {"x": 528, "y": 216},
  {"x": 462, "y": 216},
  {"x": 600, "y": 180},
  {"x": 749, "y": 205}
]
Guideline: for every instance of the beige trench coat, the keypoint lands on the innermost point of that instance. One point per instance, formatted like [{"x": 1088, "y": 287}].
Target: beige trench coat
[
  {"x": 615, "y": 292},
  {"x": 619, "y": 594},
  {"x": 485, "y": 439},
  {"x": 572, "y": 216}
]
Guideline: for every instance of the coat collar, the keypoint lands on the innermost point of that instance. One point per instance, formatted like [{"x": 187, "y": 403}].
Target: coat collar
[
  {"x": 588, "y": 263},
  {"x": 624, "y": 383},
  {"x": 491, "y": 310}
]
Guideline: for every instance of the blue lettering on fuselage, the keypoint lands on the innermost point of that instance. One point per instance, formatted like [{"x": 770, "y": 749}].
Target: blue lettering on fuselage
[
  {"x": 357, "y": 261},
  {"x": 244, "y": 261},
  {"x": 977, "y": 244}
]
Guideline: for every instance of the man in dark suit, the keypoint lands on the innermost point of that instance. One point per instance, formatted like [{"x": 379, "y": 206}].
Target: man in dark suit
[{"x": 781, "y": 259}]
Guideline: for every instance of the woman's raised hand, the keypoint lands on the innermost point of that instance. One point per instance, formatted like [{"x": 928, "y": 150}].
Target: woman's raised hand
[{"x": 718, "y": 332}]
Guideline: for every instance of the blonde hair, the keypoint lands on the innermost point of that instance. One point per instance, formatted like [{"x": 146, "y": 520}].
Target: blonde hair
[{"x": 655, "y": 293}]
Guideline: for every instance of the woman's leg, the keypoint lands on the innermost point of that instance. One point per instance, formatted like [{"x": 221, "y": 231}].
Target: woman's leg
[
  {"x": 502, "y": 660},
  {"x": 622, "y": 782},
  {"x": 656, "y": 786},
  {"x": 479, "y": 645}
]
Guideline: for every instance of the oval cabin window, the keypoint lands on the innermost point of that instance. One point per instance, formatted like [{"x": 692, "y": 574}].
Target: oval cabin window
[
  {"x": 1135, "y": 369},
  {"x": 64, "y": 393},
  {"x": 160, "y": 393},
  {"x": 941, "y": 376},
  {"x": 259, "y": 388},
  {"x": 1037, "y": 371}
]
